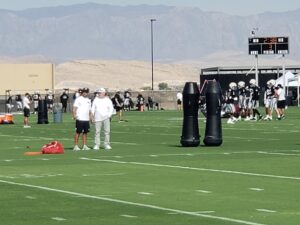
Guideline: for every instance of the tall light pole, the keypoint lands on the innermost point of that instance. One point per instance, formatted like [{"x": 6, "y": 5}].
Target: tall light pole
[{"x": 152, "y": 20}]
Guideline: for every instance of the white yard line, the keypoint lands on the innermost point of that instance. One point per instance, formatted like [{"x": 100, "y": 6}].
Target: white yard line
[
  {"x": 30, "y": 197},
  {"x": 266, "y": 210},
  {"x": 132, "y": 203},
  {"x": 279, "y": 153},
  {"x": 58, "y": 218},
  {"x": 193, "y": 168},
  {"x": 145, "y": 193},
  {"x": 128, "y": 216},
  {"x": 256, "y": 189},
  {"x": 204, "y": 191}
]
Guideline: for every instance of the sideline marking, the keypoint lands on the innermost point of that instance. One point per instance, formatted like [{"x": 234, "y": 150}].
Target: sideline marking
[
  {"x": 128, "y": 216},
  {"x": 132, "y": 203},
  {"x": 204, "y": 191},
  {"x": 278, "y": 153},
  {"x": 194, "y": 168},
  {"x": 205, "y": 212},
  {"x": 145, "y": 193},
  {"x": 30, "y": 197},
  {"x": 58, "y": 218},
  {"x": 256, "y": 189},
  {"x": 266, "y": 210}
]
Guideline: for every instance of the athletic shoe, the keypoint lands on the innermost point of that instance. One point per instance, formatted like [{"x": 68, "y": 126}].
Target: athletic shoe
[
  {"x": 96, "y": 147},
  {"x": 247, "y": 118},
  {"x": 76, "y": 148},
  {"x": 26, "y": 126},
  {"x": 85, "y": 148},
  {"x": 260, "y": 117},
  {"x": 107, "y": 147},
  {"x": 283, "y": 117},
  {"x": 230, "y": 121}
]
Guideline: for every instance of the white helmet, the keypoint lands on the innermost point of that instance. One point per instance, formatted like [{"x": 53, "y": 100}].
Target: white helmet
[
  {"x": 252, "y": 81},
  {"x": 232, "y": 85},
  {"x": 241, "y": 84},
  {"x": 271, "y": 83}
]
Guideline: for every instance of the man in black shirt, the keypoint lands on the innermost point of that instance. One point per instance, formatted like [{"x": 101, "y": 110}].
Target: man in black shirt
[{"x": 64, "y": 101}]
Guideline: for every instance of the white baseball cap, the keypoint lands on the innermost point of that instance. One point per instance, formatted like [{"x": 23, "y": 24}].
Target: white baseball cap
[{"x": 100, "y": 90}]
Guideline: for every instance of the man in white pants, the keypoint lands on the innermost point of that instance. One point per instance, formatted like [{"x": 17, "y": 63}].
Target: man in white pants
[{"x": 102, "y": 110}]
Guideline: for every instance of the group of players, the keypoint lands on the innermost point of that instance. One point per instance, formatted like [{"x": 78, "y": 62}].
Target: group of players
[
  {"x": 35, "y": 97},
  {"x": 242, "y": 101}
]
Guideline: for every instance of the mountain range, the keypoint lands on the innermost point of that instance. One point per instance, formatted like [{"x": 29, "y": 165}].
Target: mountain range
[{"x": 97, "y": 31}]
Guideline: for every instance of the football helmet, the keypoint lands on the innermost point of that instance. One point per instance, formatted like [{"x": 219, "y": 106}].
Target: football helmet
[
  {"x": 271, "y": 83},
  {"x": 241, "y": 84},
  {"x": 252, "y": 81},
  {"x": 232, "y": 85}
]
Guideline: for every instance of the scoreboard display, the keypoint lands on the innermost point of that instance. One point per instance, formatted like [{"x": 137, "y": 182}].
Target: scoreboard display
[{"x": 268, "y": 45}]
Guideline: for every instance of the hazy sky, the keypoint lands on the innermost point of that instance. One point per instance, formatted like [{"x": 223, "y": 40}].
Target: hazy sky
[{"x": 235, "y": 7}]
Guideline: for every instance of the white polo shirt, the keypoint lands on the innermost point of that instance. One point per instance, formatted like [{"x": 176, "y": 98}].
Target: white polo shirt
[{"x": 83, "y": 106}]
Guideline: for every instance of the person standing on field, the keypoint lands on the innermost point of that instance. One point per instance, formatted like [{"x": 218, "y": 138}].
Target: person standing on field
[
  {"x": 82, "y": 114},
  {"x": 102, "y": 110},
  {"x": 26, "y": 109}
]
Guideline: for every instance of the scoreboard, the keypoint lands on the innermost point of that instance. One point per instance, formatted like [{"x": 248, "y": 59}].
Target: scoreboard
[{"x": 268, "y": 45}]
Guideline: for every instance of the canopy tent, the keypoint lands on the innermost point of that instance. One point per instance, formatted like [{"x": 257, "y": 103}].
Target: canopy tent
[{"x": 290, "y": 80}]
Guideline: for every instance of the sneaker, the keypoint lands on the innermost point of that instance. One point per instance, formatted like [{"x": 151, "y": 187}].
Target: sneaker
[
  {"x": 26, "y": 126},
  {"x": 76, "y": 148},
  {"x": 260, "y": 117},
  {"x": 230, "y": 121},
  {"x": 107, "y": 147},
  {"x": 96, "y": 147},
  {"x": 247, "y": 118},
  {"x": 85, "y": 148}
]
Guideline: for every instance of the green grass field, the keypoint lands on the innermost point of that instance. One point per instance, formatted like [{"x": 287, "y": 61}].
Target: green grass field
[{"x": 148, "y": 178}]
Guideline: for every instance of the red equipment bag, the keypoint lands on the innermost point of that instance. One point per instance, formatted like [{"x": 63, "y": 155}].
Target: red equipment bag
[{"x": 53, "y": 147}]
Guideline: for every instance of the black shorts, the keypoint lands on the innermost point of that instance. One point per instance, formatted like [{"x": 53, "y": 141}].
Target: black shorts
[
  {"x": 26, "y": 112},
  {"x": 179, "y": 102},
  {"x": 119, "y": 108},
  {"x": 281, "y": 104},
  {"x": 82, "y": 127}
]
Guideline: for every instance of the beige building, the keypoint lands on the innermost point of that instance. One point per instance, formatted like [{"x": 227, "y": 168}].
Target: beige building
[{"x": 26, "y": 77}]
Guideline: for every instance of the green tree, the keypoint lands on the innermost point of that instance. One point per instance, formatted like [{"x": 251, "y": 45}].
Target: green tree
[{"x": 163, "y": 86}]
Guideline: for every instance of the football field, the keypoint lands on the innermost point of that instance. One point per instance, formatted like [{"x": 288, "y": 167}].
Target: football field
[{"x": 148, "y": 178}]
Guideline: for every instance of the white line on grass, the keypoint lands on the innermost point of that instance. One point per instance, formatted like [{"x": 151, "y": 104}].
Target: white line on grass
[
  {"x": 256, "y": 189},
  {"x": 193, "y": 168},
  {"x": 132, "y": 203},
  {"x": 279, "y": 153},
  {"x": 103, "y": 174},
  {"x": 145, "y": 193},
  {"x": 266, "y": 210},
  {"x": 128, "y": 216},
  {"x": 204, "y": 191},
  {"x": 205, "y": 212},
  {"x": 58, "y": 218},
  {"x": 30, "y": 197}
]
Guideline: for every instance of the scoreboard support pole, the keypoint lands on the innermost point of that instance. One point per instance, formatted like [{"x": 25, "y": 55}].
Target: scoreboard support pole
[
  {"x": 283, "y": 73},
  {"x": 256, "y": 70}
]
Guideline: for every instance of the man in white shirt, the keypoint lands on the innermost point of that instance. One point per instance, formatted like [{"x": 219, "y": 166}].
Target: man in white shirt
[
  {"x": 179, "y": 100},
  {"x": 82, "y": 115},
  {"x": 26, "y": 109},
  {"x": 102, "y": 110}
]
